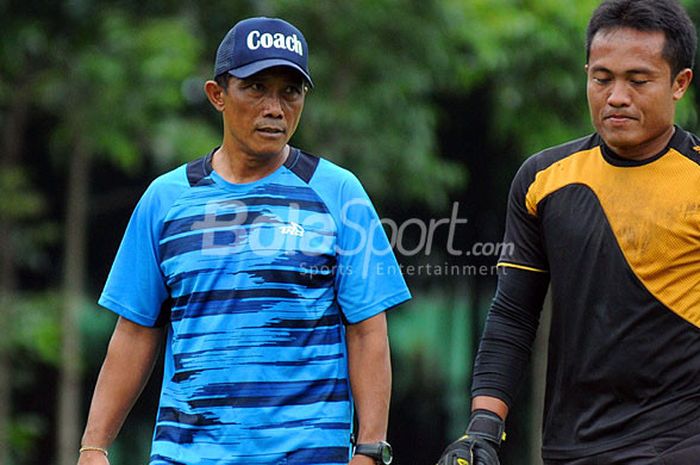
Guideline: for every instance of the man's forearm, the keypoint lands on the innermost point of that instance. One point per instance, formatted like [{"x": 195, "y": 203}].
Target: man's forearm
[
  {"x": 131, "y": 355},
  {"x": 511, "y": 326},
  {"x": 370, "y": 376}
]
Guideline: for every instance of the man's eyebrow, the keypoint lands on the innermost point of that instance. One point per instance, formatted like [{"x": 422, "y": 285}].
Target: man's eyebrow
[
  {"x": 599, "y": 69},
  {"x": 642, "y": 70}
]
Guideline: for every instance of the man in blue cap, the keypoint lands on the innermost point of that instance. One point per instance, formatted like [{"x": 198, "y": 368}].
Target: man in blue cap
[{"x": 267, "y": 269}]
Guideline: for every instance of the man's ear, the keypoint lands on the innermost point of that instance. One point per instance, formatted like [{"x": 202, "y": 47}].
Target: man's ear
[
  {"x": 681, "y": 83},
  {"x": 215, "y": 94}
]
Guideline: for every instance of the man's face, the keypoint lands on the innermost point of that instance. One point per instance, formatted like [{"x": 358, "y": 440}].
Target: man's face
[
  {"x": 262, "y": 112},
  {"x": 631, "y": 95}
]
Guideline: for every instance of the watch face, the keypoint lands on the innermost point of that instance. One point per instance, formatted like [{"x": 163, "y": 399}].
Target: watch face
[
  {"x": 387, "y": 455},
  {"x": 380, "y": 451}
]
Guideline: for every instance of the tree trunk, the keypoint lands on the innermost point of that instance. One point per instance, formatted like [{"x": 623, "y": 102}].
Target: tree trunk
[
  {"x": 69, "y": 404},
  {"x": 539, "y": 381},
  {"x": 7, "y": 291},
  {"x": 13, "y": 138},
  {"x": 460, "y": 359}
]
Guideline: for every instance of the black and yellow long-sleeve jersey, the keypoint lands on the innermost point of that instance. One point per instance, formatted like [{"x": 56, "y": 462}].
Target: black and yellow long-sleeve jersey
[{"x": 619, "y": 243}]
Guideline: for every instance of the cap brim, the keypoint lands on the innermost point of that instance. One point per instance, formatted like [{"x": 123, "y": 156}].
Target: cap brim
[{"x": 248, "y": 70}]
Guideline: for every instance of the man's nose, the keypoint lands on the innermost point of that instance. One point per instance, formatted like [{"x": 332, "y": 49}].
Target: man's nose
[
  {"x": 272, "y": 105},
  {"x": 619, "y": 94}
]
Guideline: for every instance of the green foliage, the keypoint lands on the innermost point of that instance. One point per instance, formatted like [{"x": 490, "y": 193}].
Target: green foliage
[
  {"x": 418, "y": 333},
  {"x": 180, "y": 139},
  {"x": 25, "y": 432},
  {"x": 531, "y": 54},
  {"x": 24, "y": 207},
  {"x": 422, "y": 332},
  {"x": 22, "y": 44},
  {"x": 377, "y": 65},
  {"x": 35, "y": 327},
  {"x": 17, "y": 200},
  {"x": 687, "y": 110},
  {"x": 124, "y": 78},
  {"x": 122, "y": 84}
]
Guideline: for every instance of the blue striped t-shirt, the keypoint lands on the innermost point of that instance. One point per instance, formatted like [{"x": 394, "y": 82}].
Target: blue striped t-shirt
[{"x": 255, "y": 282}]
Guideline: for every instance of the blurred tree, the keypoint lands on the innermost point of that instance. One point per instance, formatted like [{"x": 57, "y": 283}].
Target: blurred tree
[
  {"x": 11, "y": 180},
  {"x": 117, "y": 89},
  {"x": 531, "y": 53},
  {"x": 411, "y": 95},
  {"x": 21, "y": 47},
  {"x": 377, "y": 65}
]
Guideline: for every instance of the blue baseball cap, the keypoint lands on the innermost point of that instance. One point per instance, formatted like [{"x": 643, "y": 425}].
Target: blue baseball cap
[{"x": 255, "y": 44}]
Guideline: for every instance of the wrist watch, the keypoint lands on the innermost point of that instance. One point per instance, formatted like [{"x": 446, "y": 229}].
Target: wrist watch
[{"x": 380, "y": 451}]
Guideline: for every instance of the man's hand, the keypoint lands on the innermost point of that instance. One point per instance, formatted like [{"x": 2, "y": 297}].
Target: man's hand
[
  {"x": 480, "y": 443},
  {"x": 469, "y": 451}
]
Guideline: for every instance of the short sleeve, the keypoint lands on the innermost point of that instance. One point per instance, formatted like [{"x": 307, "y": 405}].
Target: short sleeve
[
  {"x": 523, "y": 247},
  {"x": 368, "y": 277},
  {"x": 135, "y": 287}
]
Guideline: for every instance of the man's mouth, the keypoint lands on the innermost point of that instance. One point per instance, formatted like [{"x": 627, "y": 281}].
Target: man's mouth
[
  {"x": 271, "y": 130},
  {"x": 618, "y": 117}
]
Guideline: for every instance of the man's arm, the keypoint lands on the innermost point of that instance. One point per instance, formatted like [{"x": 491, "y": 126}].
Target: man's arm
[
  {"x": 492, "y": 404},
  {"x": 370, "y": 379},
  {"x": 131, "y": 354},
  {"x": 506, "y": 343},
  {"x": 500, "y": 364}
]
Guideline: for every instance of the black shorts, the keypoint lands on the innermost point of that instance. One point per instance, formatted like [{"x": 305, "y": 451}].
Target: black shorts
[{"x": 678, "y": 447}]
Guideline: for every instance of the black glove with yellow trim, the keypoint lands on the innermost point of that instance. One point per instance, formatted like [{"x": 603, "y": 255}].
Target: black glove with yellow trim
[{"x": 480, "y": 443}]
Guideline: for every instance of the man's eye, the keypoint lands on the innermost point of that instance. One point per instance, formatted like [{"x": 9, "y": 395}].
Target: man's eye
[
  {"x": 639, "y": 82},
  {"x": 599, "y": 80}
]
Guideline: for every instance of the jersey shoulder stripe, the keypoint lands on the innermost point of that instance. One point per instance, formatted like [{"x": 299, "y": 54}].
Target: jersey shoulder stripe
[
  {"x": 198, "y": 170},
  {"x": 302, "y": 164}
]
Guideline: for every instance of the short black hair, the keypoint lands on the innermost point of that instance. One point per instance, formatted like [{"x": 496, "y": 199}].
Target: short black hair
[
  {"x": 667, "y": 16},
  {"x": 222, "y": 79}
]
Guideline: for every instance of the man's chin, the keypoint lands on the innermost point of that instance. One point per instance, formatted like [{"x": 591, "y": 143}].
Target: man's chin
[
  {"x": 616, "y": 137},
  {"x": 269, "y": 153}
]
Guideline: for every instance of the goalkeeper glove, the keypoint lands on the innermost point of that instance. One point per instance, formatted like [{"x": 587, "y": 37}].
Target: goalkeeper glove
[{"x": 480, "y": 443}]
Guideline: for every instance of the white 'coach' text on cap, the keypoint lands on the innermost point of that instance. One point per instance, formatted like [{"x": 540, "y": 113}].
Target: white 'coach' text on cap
[{"x": 256, "y": 39}]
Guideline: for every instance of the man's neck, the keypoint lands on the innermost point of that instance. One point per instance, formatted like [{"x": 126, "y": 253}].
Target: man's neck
[
  {"x": 240, "y": 168},
  {"x": 647, "y": 150}
]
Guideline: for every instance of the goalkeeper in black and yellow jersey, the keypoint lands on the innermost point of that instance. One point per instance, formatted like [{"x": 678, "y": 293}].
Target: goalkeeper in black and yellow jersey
[{"x": 611, "y": 222}]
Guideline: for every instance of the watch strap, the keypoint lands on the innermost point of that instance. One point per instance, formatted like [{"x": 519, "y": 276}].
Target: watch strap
[{"x": 373, "y": 450}]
